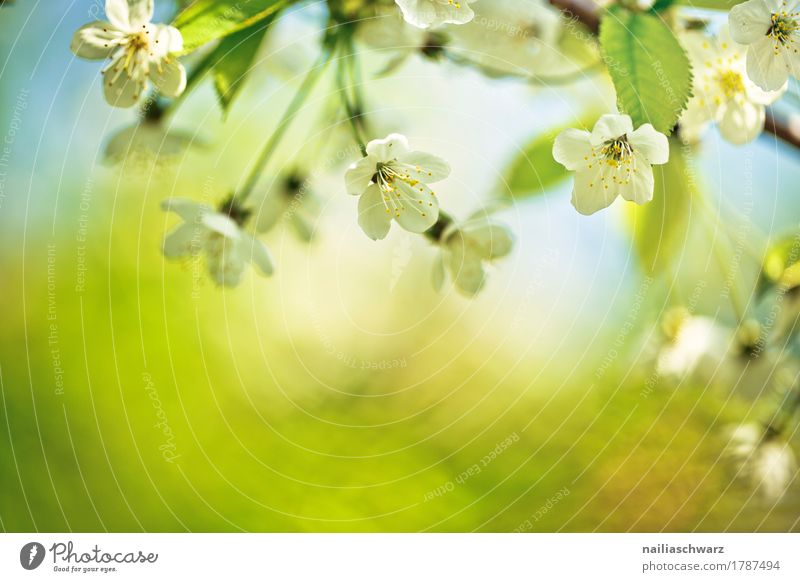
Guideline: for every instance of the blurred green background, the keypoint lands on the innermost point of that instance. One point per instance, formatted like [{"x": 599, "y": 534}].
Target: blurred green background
[{"x": 343, "y": 394}]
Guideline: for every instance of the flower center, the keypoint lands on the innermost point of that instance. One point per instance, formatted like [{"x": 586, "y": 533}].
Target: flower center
[
  {"x": 386, "y": 174},
  {"x": 784, "y": 25},
  {"x": 396, "y": 200},
  {"x": 132, "y": 57},
  {"x": 617, "y": 151},
  {"x": 139, "y": 41},
  {"x": 617, "y": 154},
  {"x": 234, "y": 210},
  {"x": 731, "y": 83}
]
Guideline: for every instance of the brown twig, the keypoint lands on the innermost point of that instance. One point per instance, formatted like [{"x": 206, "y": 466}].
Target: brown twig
[{"x": 587, "y": 13}]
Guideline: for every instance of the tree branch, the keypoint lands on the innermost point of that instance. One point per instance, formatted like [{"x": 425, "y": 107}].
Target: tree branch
[{"x": 587, "y": 13}]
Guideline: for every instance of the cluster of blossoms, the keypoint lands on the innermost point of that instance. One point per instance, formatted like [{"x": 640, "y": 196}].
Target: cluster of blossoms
[
  {"x": 770, "y": 29},
  {"x": 736, "y": 74},
  {"x": 391, "y": 180},
  {"x": 764, "y": 458},
  {"x": 723, "y": 91},
  {"x": 699, "y": 349}
]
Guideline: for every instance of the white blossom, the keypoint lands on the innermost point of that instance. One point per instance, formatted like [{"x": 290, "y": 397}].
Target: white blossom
[
  {"x": 392, "y": 182},
  {"x": 139, "y": 50},
  {"x": 771, "y": 31},
  {"x": 217, "y": 236},
  {"x": 509, "y": 37},
  {"x": 723, "y": 93},
  {"x": 693, "y": 342},
  {"x": 289, "y": 201},
  {"x": 466, "y": 248},
  {"x": 430, "y": 13},
  {"x": 387, "y": 32},
  {"x": 764, "y": 458},
  {"x": 147, "y": 142},
  {"x": 613, "y": 160}
]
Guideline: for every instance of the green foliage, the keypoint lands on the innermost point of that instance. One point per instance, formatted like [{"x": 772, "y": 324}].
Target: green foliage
[
  {"x": 781, "y": 266},
  {"x": 534, "y": 170},
  {"x": 661, "y": 5},
  {"x": 207, "y": 20},
  {"x": 660, "y": 227},
  {"x": 234, "y": 59},
  {"x": 650, "y": 70}
]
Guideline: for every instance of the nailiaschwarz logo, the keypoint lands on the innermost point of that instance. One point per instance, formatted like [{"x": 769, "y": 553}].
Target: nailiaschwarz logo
[{"x": 31, "y": 555}]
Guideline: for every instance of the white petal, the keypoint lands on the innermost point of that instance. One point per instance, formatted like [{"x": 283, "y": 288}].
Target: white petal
[
  {"x": 146, "y": 141},
  {"x": 95, "y": 41},
  {"x": 419, "y": 208},
  {"x": 166, "y": 39},
  {"x": 571, "y": 148},
  {"x": 756, "y": 94},
  {"x": 185, "y": 240},
  {"x": 742, "y": 121},
  {"x": 372, "y": 215},
  {"x": 388, "y": 148},
  {"x": 589, "y": 194},
  {"x": 188, "y": 210},
  {"x": 359, "y": 175},
  {"x": 425, "y": 167},
  {"x": 225, "y": 259},
  {"x": 749, "y": 21},
  {"x": 222, "y": 224},
  {"x": 695, "y": 120},
  {"x": 610, "y": 126},
  {"x": 653, "y": 144},
  {"x": 765, "y": 68},
  {"x": 639, "y": 188},
  {"x": 129, "y": 14},
  {"x": 428, "y": 13},
  {"x": 489, "y": 240},
  {"x": 140, "y": 12},
  {"x": 791, "y": 55},
  {"x": 120, "y": 89},
  {"x": 272, "y": 210},
  {"x": 259, "y": 254},
  {"x": 169, "y": 77},
  {"x": 465, "y": 269},
  {"x": 455, "y": 12}
]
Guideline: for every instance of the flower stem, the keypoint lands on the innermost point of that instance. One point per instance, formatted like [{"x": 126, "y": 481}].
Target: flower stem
[
  {"x": 352, "y": 107},
  {"x": 434, "y": 233},
  {"x": 299, "y": 98}
]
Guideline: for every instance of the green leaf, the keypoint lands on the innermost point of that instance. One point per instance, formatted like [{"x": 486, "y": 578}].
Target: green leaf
[
  {"x": 781, "y": 264},
  {"x": 660, "y": 227},
  {"x": 661, "y": 5},
  {"x": 234, "y": 59},
  {"x": 650, "y": 70},
  {"x": 207, "y": 20},
  {"x": 534, "y": 170}
]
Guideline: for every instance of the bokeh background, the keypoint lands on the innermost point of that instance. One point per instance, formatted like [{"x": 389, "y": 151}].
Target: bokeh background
[{"x": 345, "y": 394}]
